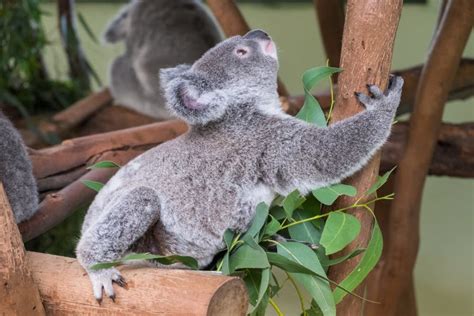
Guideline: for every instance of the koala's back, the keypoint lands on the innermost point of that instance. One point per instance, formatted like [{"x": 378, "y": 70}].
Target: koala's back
[
  {"x": 16, "y": 172},
  {"x": 179, "y": 30}
]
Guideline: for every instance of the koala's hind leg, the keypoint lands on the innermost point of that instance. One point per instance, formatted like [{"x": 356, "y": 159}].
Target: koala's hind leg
[{"x": 116, "y": 229}]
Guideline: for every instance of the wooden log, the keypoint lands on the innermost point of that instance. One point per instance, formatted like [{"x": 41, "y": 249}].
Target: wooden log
[
  {"x": 19, "y": 294},
  {"x": 367, "y": 47},
  {"x": 436, "y": 79},
  {"x": 66, "y": 290},
  {"x": 233, "y": 23}
]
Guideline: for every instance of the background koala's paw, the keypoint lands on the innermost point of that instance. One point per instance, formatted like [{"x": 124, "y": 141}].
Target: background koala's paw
[{"x": 103, "y": 279}]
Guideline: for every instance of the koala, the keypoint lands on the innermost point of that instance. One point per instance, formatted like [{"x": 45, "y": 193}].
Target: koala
[
  {"x": 240, "y": 150},
  {"x": 16, "y": 172},
  {"x": 157, "y": 34}
]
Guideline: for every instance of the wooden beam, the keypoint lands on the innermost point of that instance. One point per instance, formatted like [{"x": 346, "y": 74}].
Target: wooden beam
[
  {"x": 436, "y": 79},
  {"x": 18, "y": 292},
  {"x": 66, "y": 290},
  {"x": 367, "y": 47}
]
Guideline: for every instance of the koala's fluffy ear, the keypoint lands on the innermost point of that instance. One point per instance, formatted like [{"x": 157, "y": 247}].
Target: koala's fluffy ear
[{"x": 191, "y": 97}]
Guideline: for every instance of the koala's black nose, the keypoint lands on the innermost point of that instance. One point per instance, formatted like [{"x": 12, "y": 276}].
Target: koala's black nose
[{"x": 257, "y": 34}]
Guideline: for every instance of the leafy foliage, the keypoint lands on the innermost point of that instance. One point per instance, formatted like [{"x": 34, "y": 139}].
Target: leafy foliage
[{"x": 293, "y": 235}]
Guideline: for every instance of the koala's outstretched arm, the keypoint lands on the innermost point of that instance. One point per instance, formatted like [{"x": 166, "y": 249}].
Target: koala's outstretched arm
[
  {"x": 112, "y": 234},
  {"x": 117, "y": 28},
  {"x": 314, "y": 157}
]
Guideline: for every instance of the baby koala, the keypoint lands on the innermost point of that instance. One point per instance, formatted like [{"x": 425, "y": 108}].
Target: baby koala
[
  {"x": 240, "y": 150},
  {"x": 157, "y": 34}
]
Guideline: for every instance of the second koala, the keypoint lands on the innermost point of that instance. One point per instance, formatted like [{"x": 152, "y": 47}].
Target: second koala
[
  {"x": 157, "y": 34},
  {"x": 240, "y": 150}
]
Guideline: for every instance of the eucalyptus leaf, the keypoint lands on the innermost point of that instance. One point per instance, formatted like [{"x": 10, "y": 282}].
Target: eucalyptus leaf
[
  {"x": 93, "y": 185},
  {"x": 370, "y": 258},
  {"x": 292, "y": 201},
  {"x": 257, "y": 282},
  {"x": 289, "y": 265},
  {"x": 246, "y": 257},
  {"x": 228, "y": 238},
  {"x": 261, "y": 214},
  {"x": 339, "y": 231},
  {"x": 328, "y": 195},
  {"x": 317, "y": 287},
  {"x": 104, "y": 164},
  {"x": 339, "y": 260},
  {"x": 250, "y": 241},
  {"x": 381, "y": 180},
  {"x": 306, "y": 231},
  {"x": 167, "y": 260},
  {"x": 272, "y": 227}
]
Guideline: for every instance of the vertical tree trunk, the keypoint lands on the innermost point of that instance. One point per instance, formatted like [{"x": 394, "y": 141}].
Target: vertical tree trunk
[
  {"x": 233, "y": 23},
  {"x": 78, "y": 67},
  {"x": 367, "y": 47},
  {"x": 436, "y": 79},
  {"x": 18, "y": 293}
]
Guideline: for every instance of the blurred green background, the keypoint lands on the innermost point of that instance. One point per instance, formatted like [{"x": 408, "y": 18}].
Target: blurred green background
[{"x": 444, "y": 271}]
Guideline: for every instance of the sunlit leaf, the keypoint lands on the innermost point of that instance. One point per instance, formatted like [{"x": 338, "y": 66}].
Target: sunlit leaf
[
  {"x": 292, "y": 201},
  {"x": 381, "y": 180},
  {"x": 93, "y": 185},
  {"x": 104, "y": 164},
  {"x": 246, "y": 257},
  {"x": 306, "y": 231},
  {"x": 261, "y": 214}
]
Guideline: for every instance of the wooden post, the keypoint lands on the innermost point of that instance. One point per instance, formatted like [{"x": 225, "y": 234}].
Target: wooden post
[
  {"x": 18, "y": 292},
  {"x": 367, "y": 47},
  {"x": 233, "y": 23},
  {"x": 436, "y": 79},
  {"x": 66, "y": 290}
]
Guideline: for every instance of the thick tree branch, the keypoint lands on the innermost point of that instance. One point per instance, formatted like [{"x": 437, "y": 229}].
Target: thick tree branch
[
  {"x": 436, "y": 79},
  {"x": 367, "y": 46}
]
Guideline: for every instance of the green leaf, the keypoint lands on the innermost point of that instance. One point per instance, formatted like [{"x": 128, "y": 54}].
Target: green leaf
[
  {"x": 311, "y": 111},
  {"x": 104, "y": 164},
  {"x": 314, "y": 310},
  {"x": 86, "y": 27},
  {"x": 306, "y": 231},
  {"x": 188, "y": 261},
  {"x": 292, "y": 201},
  {"x": 381, "y": 180},
  {"x": 278, "y": 212},
  {"x": 328, "y": 195},
  {"x": 272, "y": 227},
  {"x": 250, "y": 241},
  {"x": 225, "y": 264},
  {"x": 246, "y": 257},
  {"x": 228, "y": 237},
  {"x": 318, "y": 288},
  {"x": 257, "y": 282},
  {"x": 340, "y": 229},
  {"x": 367, "y": 263},
  {"x": 93, "y": 185},
  {"x": 289, "y": 265},
  {"x": 350, "y": 255},
  {"x": 261, "y": 214}
]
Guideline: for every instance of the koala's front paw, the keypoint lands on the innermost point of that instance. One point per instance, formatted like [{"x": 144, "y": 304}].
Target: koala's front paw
[
  {"x": 388, "y": 101},
  {"x": 103, "y": 279}
]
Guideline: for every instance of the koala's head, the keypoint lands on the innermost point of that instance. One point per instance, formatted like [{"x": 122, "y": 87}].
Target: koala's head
[{"x": 237, "y": 73}]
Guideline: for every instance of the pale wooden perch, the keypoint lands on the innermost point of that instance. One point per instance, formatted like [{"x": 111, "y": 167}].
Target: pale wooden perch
[{"x": 66, "y": 290}]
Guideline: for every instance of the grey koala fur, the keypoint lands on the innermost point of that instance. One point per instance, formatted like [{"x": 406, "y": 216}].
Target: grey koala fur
[
  {"x": 240, "y": 150},
  {"x": 16, "y": 172},
  {"x": 157, "y": 34}
]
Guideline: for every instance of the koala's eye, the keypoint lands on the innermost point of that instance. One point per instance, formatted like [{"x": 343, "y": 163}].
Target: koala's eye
[{"x": 241, "y": 52}]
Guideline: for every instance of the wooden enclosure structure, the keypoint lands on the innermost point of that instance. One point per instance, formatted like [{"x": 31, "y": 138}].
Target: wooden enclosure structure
[{"x": 423, "y": 145}]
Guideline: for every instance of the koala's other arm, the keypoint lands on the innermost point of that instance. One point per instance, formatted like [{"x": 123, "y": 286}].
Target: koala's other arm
[
  {"x": 309, "y": 157},
  {"x": 16, "y": 172},
  {"x": 107, "y": 238}
]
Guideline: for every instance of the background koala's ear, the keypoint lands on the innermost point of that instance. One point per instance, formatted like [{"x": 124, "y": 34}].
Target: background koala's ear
[{"x": 168, "y": 74}]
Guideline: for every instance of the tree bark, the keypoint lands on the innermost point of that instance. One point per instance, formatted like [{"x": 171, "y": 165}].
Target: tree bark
[
  {"x": 18, "y": 292},
  {"x": 436, "y": 79},
  {"x": 233, "y": 23},
  {"x": 367, "y": 47},
  {"x": 66, "y": 290}
]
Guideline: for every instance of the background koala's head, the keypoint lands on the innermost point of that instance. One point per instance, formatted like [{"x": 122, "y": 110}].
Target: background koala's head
[{"x": 237, "y": 74}]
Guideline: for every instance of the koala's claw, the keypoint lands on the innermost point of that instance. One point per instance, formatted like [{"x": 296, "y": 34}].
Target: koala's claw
[
  {"x": 102, "y": 282},
  {"x": 376, "y": 92},
  {"x": 121, "y": 282}
]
